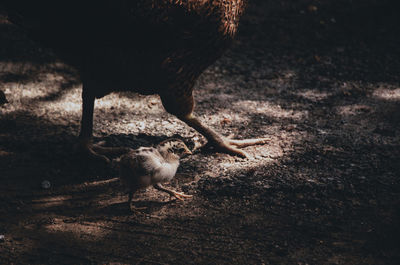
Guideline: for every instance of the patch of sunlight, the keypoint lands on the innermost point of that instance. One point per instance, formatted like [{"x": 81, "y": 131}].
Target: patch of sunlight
[
  {"x": 313, "y": 95},
  {"x": 65, "y": 106},
  {"x": 387, "y": 94},
  {"x": 31, "y": 93},
  {"x": 50, "y": 202},
  {"x": 151, "y": 104},
  {"x": 267, "y": 108},
  {"x": 258, "y": 156},
  {"x": 354, "y": 109},
  {"x": 36, "y": 90},
  {"x": 225, "y": 116},
  {"x": 135, "y": 126},
  {"x": 70, "y": 103},
  {"x": 223, "y": 97},
  {"x": 98, "y": 230},
  {"x": 24, "y": 92}
]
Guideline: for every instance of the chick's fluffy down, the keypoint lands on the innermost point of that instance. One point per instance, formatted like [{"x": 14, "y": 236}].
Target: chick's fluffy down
[{"x": 144, "y": 167}]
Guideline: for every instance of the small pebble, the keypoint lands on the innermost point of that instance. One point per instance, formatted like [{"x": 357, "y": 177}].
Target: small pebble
[{"x": 46, "y": 184}]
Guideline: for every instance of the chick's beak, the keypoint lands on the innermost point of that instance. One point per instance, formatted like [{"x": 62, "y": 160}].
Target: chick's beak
[{"x": 187, "y": 152}]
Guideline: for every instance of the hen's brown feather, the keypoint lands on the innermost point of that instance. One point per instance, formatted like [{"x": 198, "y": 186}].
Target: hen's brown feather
[{"x": 147, "y": 46}]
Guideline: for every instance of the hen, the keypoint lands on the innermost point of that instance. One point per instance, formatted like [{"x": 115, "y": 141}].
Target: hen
[{"x": 147, "y": 46}]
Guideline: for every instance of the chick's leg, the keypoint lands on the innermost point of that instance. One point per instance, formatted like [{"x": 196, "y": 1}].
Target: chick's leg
[
  {"x": 85, "y": 137},
  {"x": 179, "y": 195},
  {"x": 130, "y": 197},
  {"x": 132, "y": 207},
  {"x": 182, "y": 107}
]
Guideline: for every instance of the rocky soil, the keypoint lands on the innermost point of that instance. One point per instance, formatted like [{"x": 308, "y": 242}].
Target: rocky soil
[{"x": 320, "y": 78}]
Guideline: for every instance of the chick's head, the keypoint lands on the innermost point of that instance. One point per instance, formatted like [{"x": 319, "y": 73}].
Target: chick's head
[{"x": 175, "y": 146}]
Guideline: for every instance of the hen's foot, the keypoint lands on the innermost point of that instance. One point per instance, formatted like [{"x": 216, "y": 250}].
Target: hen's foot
[
  {"x": 111, "y": 151},
  {"x": 219, "y": 143},
  {"x": 179, "y": 195},
  {"x": 248, "y": 142},
  {"x": 98, "y": 153},
  {"x": 229, "y": 146},
  {"x": 86, "y": 148}
]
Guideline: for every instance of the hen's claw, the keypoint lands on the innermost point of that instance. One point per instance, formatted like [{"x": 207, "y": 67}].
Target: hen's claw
[
  {"x": 112, "y": 151},
  {"x": 86, "y": 148},
  {"x": 180, "y": 195},
  {"x": 220, "y": 143},
  {"x": 227, "y": 148},
  {"x": 248, "y": 142},
  {"x": 99, "y": 153}
]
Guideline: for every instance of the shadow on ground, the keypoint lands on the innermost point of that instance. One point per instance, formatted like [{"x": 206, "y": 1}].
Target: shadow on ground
[{"x": 319, "y": 78}]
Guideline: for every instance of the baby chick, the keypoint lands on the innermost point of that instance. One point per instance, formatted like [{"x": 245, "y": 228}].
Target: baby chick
[{"x": 146, "y": 166}]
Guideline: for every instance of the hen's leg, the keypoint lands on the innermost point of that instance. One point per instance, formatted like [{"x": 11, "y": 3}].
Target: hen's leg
[
  {"x": 172, "y": 193},
  {"x": 85, "y": 137},
  {"x": 182, "y": 107}
]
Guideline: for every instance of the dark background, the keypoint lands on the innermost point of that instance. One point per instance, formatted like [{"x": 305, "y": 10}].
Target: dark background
[{"x": 321, "y": 78}]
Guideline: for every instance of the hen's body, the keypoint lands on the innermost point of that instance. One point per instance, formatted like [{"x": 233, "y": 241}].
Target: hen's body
[{"x": 146, "y": 46}]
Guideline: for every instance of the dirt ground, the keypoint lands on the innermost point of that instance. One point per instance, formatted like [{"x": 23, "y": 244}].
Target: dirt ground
[{"x": 320, "y": 78}]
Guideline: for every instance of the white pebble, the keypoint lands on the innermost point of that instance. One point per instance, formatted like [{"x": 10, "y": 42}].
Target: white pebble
[{"x": 46, "y": 184}]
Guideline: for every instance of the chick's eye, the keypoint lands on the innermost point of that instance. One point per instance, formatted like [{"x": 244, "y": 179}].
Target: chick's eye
[{"x": 175, "y": 149}]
